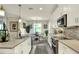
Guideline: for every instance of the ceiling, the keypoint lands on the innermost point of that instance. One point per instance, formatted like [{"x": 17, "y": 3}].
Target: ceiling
[{"x": 12, "y": 10}]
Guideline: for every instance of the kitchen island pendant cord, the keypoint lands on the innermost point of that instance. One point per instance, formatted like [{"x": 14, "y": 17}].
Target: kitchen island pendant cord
[
  {"x": 19, "y": 20},
  {"x": 19, "y": 12}
]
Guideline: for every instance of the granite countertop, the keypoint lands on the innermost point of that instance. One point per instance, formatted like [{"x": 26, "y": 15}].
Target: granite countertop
[
  {"x": 73, "y": 44},
  {"x": 12, "y": 43}
]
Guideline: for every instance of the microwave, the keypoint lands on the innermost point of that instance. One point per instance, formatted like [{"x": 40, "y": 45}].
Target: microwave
[{"x": 62, "y": 21}]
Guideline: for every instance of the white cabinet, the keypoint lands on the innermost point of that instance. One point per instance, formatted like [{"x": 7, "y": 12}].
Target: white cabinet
[
  {"x": 63, "y": 49},
  {"x": 18, "y": 49},
  {"x": 26, "y": 46},
  {"x": 60, "y": 48}
]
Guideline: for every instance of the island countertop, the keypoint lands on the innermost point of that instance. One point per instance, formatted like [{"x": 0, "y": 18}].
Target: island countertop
[
  {"x": 12, "y": 43},
  {"x": 73, "y": 44}
]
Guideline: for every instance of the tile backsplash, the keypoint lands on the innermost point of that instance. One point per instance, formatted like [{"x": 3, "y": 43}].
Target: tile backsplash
[{"x": 72, "y": 32}]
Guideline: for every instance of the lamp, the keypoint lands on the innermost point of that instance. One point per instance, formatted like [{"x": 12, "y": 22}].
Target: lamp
[
  {"x": 2, "y": 11},
  {"x": 20, "y": 14}
]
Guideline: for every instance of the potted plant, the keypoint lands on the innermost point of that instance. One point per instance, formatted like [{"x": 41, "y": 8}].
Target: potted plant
[
  {"x": 28, "y": 28},
  {"x": 3, "y": 36},
  {"x": 46, "y": 32}
]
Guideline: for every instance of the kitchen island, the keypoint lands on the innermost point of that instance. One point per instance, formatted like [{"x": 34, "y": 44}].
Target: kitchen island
[{"x": 16, "y": 46}]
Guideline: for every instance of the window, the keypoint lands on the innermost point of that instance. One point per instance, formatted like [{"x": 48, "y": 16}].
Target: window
[
  {"x": 1, "y": 23},
  {"x": 1, "y": 26},
  {"x": 37, "y": 27}
]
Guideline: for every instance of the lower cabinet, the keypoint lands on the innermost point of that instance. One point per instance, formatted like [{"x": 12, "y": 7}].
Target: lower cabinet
[
  {"x": 60, "y": 48},
  {"x": 63, "y": 49},
  {"x": 23, "y": 48},
  {"x": 18, "y": 49},
  {"x": 26, "y": 47}
]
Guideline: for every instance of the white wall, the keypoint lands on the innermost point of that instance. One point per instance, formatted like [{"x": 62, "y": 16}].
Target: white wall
[{"x": 13, "y": 35}]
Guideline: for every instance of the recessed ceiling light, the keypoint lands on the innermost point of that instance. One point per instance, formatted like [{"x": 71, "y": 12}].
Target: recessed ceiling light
[{"x": 41, "y": 8}]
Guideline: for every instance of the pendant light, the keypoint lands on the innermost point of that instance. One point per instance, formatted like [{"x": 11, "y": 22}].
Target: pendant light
[
  {"x": 2, "y": 11},
  {"x": 20, "y": 14}
]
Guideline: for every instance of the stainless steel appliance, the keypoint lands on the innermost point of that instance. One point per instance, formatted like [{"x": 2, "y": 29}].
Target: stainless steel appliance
[{"x": 54, "y": 45}]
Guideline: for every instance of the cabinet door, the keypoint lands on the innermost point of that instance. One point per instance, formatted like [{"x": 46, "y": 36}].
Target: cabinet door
[
  {"x": 18, "y": 49},
  {"x": 60, "y": 48},
  {"x": 26, "y": 46},
  {"x": 29, "y": 44}
]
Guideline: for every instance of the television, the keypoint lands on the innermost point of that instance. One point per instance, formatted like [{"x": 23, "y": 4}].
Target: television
[{"x": 62, "y": 21}]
